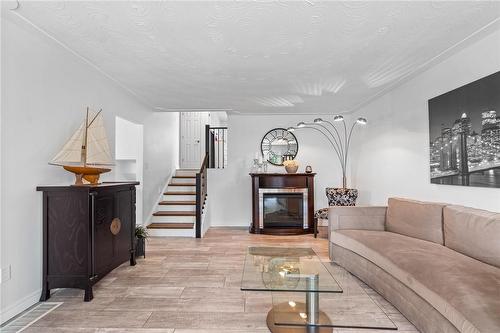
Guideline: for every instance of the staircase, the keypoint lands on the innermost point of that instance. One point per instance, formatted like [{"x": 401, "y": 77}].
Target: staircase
[{"x": 176, "y": 213}]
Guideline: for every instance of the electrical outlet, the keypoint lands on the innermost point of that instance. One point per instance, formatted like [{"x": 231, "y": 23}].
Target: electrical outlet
[{"x": 5, "y": 274}]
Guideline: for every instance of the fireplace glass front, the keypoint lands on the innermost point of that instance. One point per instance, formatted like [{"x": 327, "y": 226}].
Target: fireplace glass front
[{"x": 283, "y": 210}]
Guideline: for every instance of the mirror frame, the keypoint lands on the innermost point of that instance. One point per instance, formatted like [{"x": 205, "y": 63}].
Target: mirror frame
[{"x": 285, "y": 130}]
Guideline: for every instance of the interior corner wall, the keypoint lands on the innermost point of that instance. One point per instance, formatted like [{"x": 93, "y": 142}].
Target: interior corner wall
[
  {"x": 44, "y": 92},
  {"x": 230, "y": 189},
  {"x": 391, "y": 157},
  {"x": 161, "y": 156}
]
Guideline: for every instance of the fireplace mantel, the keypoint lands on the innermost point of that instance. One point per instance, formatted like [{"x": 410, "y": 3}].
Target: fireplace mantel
[{"x": 302, "y": 182}]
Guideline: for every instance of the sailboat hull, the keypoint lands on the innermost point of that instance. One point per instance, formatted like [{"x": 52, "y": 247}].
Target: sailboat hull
[{"x": 90, "y": 174}]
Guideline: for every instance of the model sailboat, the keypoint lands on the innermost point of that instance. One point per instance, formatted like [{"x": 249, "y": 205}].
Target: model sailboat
[{"x": 86, "y": 154}]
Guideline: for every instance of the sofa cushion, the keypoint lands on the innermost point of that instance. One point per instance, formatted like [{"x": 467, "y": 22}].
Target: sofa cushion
[
  {"x": 423, "y": 220},
  {"x": 473, "y": 232},
  {"x": 464, "y": 290}
]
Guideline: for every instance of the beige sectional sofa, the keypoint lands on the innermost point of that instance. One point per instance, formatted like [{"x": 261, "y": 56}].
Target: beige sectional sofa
[{"x": 438, "y": 264}]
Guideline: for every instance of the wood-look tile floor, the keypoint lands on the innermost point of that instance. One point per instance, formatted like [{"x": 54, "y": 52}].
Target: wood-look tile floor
[{"x": 188, "y": 285}]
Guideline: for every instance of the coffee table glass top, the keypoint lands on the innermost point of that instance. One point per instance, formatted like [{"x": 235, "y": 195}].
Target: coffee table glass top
[
  {"x": 297, "y": 279},
  {"x": 286, "y": 269}
]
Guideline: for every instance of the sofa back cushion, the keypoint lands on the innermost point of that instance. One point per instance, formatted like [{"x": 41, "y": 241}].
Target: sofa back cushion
[
  {"x": 422, "y": 220},
  {"x": 473, "y": 232}
]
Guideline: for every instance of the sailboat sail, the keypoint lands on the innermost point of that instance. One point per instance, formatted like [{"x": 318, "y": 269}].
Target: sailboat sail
[
  {"x": 97, "y": 143},
  {"x": 91, "y": 135},
  {"x": 71, "y": 153}
]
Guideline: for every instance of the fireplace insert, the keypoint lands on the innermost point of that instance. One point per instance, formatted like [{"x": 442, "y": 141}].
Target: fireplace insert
[{"x": 283, "y": 208}]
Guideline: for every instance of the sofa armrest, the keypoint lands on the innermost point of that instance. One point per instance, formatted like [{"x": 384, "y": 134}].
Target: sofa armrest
[{"x": 356, "y": 217}]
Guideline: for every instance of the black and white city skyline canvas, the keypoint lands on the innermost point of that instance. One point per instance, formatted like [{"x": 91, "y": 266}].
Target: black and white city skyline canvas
[{"x": 464, "y": 127}]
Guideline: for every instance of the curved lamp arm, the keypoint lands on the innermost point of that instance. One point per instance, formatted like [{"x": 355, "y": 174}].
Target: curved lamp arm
[
  {"x": 346, "y": 144},
  {"x": 338, "y": 144},
  {"x": 336, "y": 132},
  {"x": 331, "y": 142},
  {"x": 361, "y": 121}
]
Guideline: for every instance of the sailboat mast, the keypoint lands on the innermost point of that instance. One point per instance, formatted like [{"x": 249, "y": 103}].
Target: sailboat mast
[{"x": 84, "y": 144}]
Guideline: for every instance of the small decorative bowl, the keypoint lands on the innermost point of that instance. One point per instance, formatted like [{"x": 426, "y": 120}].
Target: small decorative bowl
[{"x": 291, "y": 169}]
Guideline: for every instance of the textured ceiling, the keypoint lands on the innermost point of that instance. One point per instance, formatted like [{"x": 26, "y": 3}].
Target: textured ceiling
[{"x": 259, "y": 57}]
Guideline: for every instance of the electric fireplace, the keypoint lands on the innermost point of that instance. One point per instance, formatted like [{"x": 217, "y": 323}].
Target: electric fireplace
[
  {"x": 282, "y": 203},
  {"x": 283, "y": 208}
]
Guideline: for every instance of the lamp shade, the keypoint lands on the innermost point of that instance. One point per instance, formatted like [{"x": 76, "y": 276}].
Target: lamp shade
[
  {"x": 362, "y": 121},
  {"x": 338, "y": 118}
]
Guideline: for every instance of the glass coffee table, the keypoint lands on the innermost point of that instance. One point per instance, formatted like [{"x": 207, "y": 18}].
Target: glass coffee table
[{"x": 296, "y": 277}]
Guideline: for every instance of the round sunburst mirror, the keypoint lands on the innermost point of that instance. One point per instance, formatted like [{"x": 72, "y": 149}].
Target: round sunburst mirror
[{"x": 279, "y": 145}]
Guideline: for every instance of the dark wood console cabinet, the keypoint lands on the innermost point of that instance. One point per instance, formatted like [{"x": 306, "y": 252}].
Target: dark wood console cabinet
[
  {"x": 88, "y": 231},
  {"x": 303, "y": 182}
]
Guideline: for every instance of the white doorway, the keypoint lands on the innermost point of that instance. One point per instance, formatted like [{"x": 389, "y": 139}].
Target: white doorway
[
  {"x": 192, "y": 140},
  {"x": 129, "y": 158}
]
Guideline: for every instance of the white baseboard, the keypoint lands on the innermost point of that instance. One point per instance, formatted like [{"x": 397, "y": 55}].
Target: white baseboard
[
  {"x": 13, "y": 310},
  {"x": 147, "y": 221}
]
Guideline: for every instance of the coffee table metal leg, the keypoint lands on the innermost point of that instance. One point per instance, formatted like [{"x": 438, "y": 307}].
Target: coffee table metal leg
[
  {"x": 311, "y": 309},
  {"x": 312, "y": 299}
]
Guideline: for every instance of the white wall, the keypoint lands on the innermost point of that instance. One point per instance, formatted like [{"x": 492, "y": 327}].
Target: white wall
[
  {"x": 127, "y": 142},
  {"x": 161, "y": 156},
  {"x": 392, "y": 156},
  {"x": 45, "y": 90},
  {"x": 230, "y": 190},
  {"x": 129, "y": 158}
]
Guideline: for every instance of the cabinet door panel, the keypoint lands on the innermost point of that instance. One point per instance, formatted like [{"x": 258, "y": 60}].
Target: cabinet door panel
[
  {"x": 125, "y": 212},
  {"x": 103, "y": 238},
  {"x": 67, "y": 233}
]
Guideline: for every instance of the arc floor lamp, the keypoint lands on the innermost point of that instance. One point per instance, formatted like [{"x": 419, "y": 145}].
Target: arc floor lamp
[{"x": 340, "y": 140}]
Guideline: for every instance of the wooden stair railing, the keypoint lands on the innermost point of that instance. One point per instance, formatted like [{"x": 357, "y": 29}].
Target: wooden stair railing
[{"x": 201, "y": 194}]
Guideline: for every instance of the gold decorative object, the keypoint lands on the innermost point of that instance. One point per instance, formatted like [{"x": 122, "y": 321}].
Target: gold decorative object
[{"x": 291, "y": 166}]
